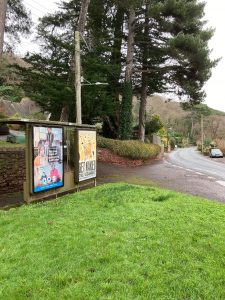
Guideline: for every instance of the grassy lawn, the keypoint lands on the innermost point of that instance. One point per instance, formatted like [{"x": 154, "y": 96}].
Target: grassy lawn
[{"x": 117, "y": 241}]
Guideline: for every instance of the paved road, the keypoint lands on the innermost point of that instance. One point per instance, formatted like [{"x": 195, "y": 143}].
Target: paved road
[
  {"x": 183, "y": 170},
  {"x": 190, "y": 158}
]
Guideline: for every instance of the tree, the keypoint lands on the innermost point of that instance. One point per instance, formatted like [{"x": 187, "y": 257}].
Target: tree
[
  {"x": 126, "y": 105},
  {"x": 153, "y": 125},
  {"x": 14, "y": 20},
  {"x": 170, "y": 52},
  {"x": 195, "y": 114},
  {"x": 175, "y": 51},
  {"x": 50, "y": 79}
]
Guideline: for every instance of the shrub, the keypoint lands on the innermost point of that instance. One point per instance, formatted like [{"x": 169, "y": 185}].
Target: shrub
[
  {"x": 220, "y": 144},
  {"x": 130, "y": 149},
  {"x": 199, "y": 147}
]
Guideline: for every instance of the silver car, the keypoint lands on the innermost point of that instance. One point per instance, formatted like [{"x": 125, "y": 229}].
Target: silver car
[{"x": 215, "y": 153}]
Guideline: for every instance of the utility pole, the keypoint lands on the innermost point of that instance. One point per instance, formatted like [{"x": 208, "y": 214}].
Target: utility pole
[
  {"x": 78, "y": 78},
  {"x": 202, "y": 134},
  {"x": 78, "y": 32},
  {"x": 3, "y": 8}
]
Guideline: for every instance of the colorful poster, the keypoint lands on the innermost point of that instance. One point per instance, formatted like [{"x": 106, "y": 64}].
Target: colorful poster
[
  {"x": 87, "y": 154},
  {"x": 47, "y": 158}
]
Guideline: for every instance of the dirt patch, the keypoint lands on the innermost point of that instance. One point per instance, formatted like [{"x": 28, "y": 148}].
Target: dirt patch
[{"x": 105, "y": 155}]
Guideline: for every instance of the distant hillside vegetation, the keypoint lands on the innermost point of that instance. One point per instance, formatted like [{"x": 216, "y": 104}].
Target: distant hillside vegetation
[
  {"x": 173, "y": 115},
  {"x": 168, "y": 110}
]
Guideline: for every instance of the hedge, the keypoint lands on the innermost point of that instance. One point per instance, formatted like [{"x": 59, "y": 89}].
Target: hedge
[{"x": 130, "y": 149}]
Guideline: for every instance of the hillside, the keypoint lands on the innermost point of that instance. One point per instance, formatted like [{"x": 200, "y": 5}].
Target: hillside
[{"x": 180, "y": 120}]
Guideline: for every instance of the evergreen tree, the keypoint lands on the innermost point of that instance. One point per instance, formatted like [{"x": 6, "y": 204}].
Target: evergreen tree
[
  {"x": 14, "y": 20},
  {"x": 126, "y": 105},
  {"x": 170, "y": 55},
  {"x": 175, "y": 53},
  {"x": 50, "y": 79}
]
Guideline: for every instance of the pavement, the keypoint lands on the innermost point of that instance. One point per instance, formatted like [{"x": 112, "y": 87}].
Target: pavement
[{"x": 166, "y": 175}]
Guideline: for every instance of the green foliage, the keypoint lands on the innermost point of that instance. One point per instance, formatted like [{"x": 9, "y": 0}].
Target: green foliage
[
  {"x": 18, "y": 21},
  {"x": 11, "y": 93},
  {"x": 131, "y": 149},
  {"x": 125, "y": 128},
  {"x": 173, "y": 53},
  {"x": 197, "y": 110},
  {"x": 116, "y": 241},
  {"x": 207, "y": 142},
  {"x": 153, "y": 125},
  {"x": 36, "y": 116}
]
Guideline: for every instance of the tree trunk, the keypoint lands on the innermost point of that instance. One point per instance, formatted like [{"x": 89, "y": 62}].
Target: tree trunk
[
  {"x": 125, "y": 129},
  {"x": 192, "y": 126},
  {"x": 83, "y": 16},
  {"x": 64, "y": 114},
  {"x": 144, "y": 88},
  {"x": 3, "y": 8},
  {"x": 142, "y": 109},
  {"x": 114, "y": 76}
]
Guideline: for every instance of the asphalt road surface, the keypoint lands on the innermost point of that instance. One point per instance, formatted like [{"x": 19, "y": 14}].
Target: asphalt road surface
[
  {"x": 192, "y": 159},
  {"x": 183, "y": 170}
]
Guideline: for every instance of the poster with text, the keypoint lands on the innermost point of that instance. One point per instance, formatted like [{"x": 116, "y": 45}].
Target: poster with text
[
  {"x": 47, "y": 158},
  {"x": 87, "y": 154}
]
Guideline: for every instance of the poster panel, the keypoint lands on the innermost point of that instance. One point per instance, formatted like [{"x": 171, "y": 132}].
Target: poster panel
[
  {"x": 87, "y": 154},
  {"x": 48, "y": 171}
]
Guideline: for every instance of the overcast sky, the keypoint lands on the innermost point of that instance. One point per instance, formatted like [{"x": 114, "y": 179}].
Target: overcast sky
[{"x": 214, "y": 13}]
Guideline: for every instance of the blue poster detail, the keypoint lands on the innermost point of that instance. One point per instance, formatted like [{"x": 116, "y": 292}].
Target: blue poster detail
[
  {"x": 48, "y": 158},
  {"x": 50, "y": 186}
]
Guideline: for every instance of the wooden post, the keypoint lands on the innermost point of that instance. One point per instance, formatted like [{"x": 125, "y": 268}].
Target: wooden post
[
  {"x": 78, "y": 78},
  {"x": 202, "y": 135},
  {"x": 3, "y": 8}
]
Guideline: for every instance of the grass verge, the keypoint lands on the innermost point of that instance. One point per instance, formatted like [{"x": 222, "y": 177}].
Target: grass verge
[{"x": 117, "y": 241}]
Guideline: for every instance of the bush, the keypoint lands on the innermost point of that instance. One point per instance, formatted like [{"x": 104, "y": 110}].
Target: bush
[
  {"x": 199, "y": 147},
  {"x": 219, "y": 143},
  {"x": 130, "y": 149}
]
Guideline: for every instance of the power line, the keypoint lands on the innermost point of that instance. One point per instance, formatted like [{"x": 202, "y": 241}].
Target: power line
[
  {"x": 40, "y": 5},
  {"x": 37, "y": 9}
]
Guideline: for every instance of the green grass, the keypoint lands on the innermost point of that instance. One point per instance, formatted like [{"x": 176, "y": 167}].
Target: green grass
[{"x": 117, "y": 241}]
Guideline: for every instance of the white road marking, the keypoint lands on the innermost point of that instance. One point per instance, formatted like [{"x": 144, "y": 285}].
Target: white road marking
[
  {"x": 209, "y": 177},
  {"x": 189, "y": 170},
  {"x": 199, "y": 173},
  {"x": 221, "y": 182}
]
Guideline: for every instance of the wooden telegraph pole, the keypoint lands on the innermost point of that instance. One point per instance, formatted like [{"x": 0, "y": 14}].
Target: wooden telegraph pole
[
  {"x": 202, "y": 134},
  {"x": 78, "y": 32},
  {"x": 78, "y": 78},
  {"x": 3, "y": 8}
]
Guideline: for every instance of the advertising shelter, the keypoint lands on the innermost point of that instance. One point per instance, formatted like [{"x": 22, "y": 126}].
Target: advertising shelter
[{"x": 60, "y": 157}]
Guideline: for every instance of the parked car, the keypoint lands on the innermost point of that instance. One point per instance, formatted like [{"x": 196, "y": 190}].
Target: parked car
[
  {"x": 16, "y": 138},
  {"x": 215, "y": 153}
]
